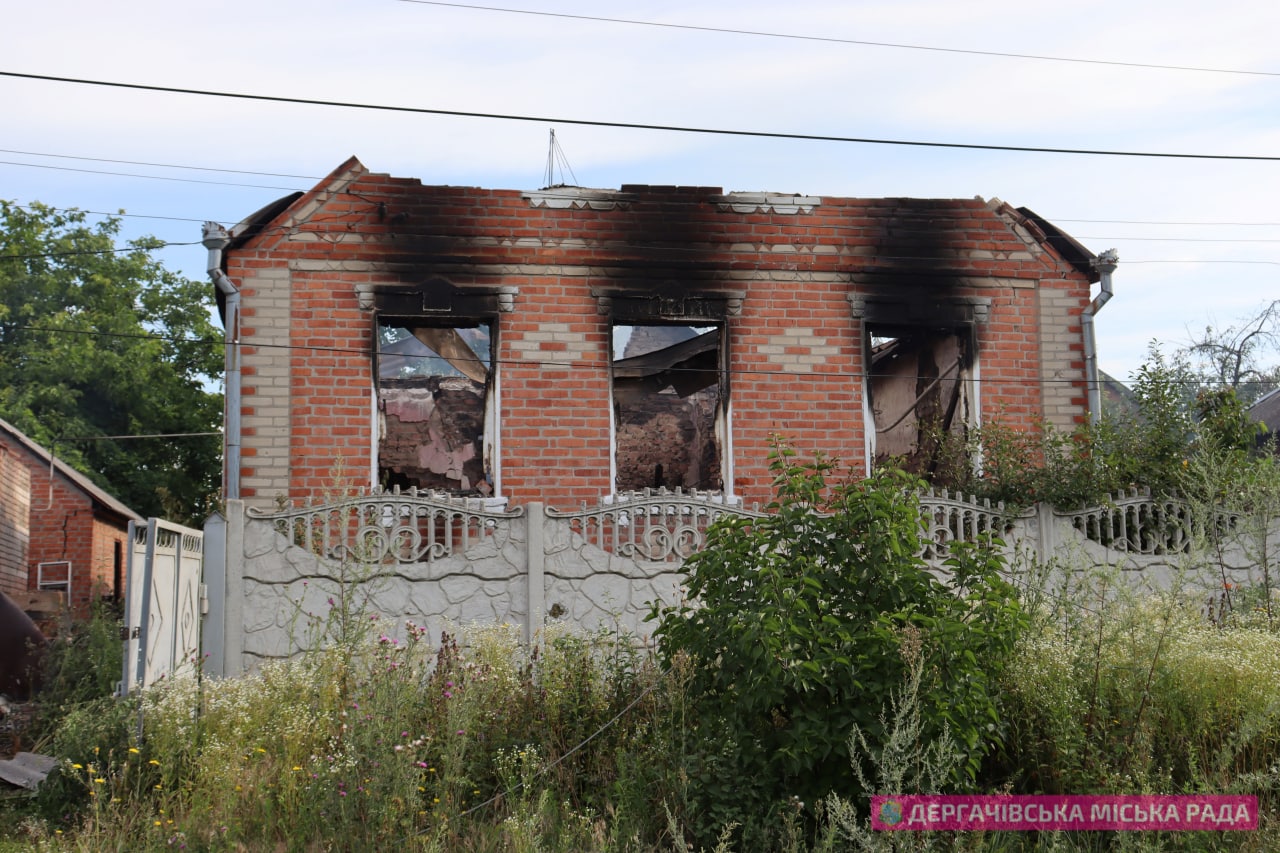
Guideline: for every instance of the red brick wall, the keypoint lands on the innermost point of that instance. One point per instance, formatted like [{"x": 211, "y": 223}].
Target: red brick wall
[
  {"x": 65, "y": 527},
  {"x": 794, "y": 350}
]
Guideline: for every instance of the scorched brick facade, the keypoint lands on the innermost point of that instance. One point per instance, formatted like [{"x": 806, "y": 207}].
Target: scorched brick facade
[{"x": 493, "y": 324}]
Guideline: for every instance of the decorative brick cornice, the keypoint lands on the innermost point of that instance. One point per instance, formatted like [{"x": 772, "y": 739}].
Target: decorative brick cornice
[
  {"x": 563, "y": 198},
  {"x": 767, "y": 203}
]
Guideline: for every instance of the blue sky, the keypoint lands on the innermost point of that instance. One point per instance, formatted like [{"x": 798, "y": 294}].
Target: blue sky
[{"x": 1199, "y": 240}]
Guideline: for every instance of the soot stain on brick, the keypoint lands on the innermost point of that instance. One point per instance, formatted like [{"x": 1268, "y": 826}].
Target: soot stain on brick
[{"x": 669, "y": 386}]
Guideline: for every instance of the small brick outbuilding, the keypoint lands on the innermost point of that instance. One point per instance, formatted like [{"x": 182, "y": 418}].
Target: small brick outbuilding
[
  {"x": 58, "y": 529},
  {"x": 566, "y": 344}
]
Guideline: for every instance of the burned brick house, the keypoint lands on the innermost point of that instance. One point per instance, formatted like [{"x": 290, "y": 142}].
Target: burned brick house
[{"x": 567, "y": 344}]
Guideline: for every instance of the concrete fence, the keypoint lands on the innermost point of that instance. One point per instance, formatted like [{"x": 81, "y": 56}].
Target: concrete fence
[{"x": 277, "y": 580}]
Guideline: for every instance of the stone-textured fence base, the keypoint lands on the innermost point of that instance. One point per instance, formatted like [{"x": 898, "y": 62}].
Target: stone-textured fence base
[{"x": 279, "y": 582}]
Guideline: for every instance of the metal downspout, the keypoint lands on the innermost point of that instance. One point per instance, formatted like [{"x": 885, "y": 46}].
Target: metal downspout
[
  {"x": 1105, "y": 264},
  {"x": 215, "y": 240}
]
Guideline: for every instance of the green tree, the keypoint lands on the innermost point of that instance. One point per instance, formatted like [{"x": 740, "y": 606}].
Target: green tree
[
  {"x": 1241, "y": 357},
  {"x": 99, "y": 339},
  {"x": 804, "y": 624}
]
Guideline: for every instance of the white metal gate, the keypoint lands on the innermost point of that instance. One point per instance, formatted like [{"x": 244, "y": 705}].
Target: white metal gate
[{"x": 164, "y": 603}]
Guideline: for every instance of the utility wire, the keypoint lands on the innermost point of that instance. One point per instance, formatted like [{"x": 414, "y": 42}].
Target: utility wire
[
  {"x": 116, "y": 251},
  {"x": 117, "y": 215},
  {"x": 807, "y": 137},
  {"x": 669, "y": 249},
  {"x": 144, "y": 177},
  {"x": 1164, "y": 222},
  {"x": 1185, "y": 239},
  {"x": 845, "y": 41},
  {"x": 62, "y": 439},
  {"x": 369, "y": 352},
  {"x": 541, "y": 193},
  {"x": 545, "y": 194},
  {"x": 158, "y": 165},
  {"x": 563, "y": 756}
]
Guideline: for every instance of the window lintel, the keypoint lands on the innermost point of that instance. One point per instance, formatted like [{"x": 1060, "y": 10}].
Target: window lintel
[
  {"x": 437, "y": 297},
  {"x": 668, "y": 304}
]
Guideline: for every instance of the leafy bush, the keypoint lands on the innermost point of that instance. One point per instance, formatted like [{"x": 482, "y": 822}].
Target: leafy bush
[
  {"x": 1146, "y": 448},
  {"x": 801, "y": 625},
  {"x": 82, "y": 665}
]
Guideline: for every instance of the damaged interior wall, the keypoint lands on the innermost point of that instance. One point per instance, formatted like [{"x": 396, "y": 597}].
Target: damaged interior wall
[
  {"x": 667, "y": 404},
  {"x": 435, "y": 393},
  {"x": 919, "y": 392}
]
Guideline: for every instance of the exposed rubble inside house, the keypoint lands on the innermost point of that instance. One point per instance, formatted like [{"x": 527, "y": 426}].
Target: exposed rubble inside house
[
  {"x": 919, "y": 392},
  {"x": 435, "y": 395},
  {"x": 667, "y": 388}
]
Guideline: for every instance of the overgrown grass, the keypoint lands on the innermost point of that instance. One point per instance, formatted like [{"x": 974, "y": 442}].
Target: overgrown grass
[
  {"x": 479, "y": 742},
  {"x": 475, "y": 742}
]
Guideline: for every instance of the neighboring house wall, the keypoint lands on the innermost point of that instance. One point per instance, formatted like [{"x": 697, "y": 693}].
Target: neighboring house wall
[
  {"x": 67, "y": 529},
  {"x": 15, "y": 533},
  {"x": 796, "y": 285},
  {"x": 71, "y": 521}
]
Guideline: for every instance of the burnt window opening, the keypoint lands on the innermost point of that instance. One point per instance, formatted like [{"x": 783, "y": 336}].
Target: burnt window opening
[
  {"x": 669, "y": 400},
  {"x": 436, "y": 404},
  {"x": 921, "y": 399}
]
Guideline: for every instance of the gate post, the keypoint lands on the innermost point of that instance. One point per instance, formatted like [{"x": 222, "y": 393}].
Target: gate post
[
  {"x": 1047, "y": 539},
  {"x": 535, "y": 562},
  {"x": 213, "y": 634},
  {"x": 233, "y": 592}
]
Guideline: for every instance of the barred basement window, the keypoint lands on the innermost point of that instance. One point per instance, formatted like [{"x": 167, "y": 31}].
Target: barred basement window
[{"x": 436, "y": 404}]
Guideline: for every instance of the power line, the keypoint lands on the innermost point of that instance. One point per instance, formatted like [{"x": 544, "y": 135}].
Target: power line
[
  {"x": 369, "y": 352},
  {"x": 1130, "y": 262},
  {"x": 542, "y": 193},
  {"x": 62, "y": 439},
  {"x": 676, "y": 249},
  {"x": 1186, "y": 239},
  {"x": 619, "y": 125},
  {"x": 144, "y": 177},
  {"x": 116, "y": 251},
  {"x": 1164, "y": 222},
  {"x": 845, "y": 41},
  {"x": 157, "y": 165},
  {"x": 117, "y": 215}
]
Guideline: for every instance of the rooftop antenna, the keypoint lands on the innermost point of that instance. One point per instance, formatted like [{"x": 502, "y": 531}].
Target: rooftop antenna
[{"x": 557, "y": 161}]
